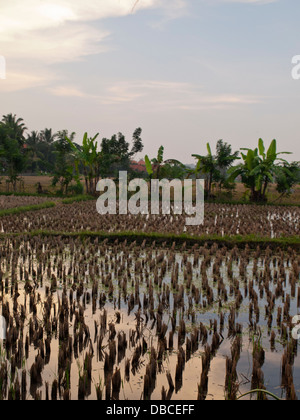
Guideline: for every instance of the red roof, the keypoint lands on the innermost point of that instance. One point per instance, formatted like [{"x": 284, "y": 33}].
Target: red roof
[{"x": 138, "y": 166}]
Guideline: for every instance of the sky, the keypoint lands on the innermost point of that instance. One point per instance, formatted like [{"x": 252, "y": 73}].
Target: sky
[{"x": 187, "y": 72}]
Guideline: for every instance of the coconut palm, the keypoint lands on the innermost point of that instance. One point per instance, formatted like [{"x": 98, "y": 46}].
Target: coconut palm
[
  {"x": 12, "y": 156},
  {"x": 215, "y": 167},
  {"x": 16, "y": 126},
  {"x": 48, "y": 136},
  {"x": 47, "y": 148},
  {"x": 32, "y": 142}
]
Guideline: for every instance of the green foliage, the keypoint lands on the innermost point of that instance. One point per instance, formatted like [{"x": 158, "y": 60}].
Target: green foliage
[
  {"x": 16, "y": 128},
  {"x": 215, "y": 167},
  {"x": 59, "y": 155},
  {"x": 158, "y": 168},
  {"x": 116, "y": 153},
  {"x": 76, "y": 189},
  {"x": 25, "y": 209},
  {"x": 64, "y": 166},
  {"x": 77, "y": 199},
  {"x": 12, "y": 153},
  {"x": 230, "y": 241},
  {"x": 287, "y": 177},
  {"x": 258, "y": 392},
  {"x": 88, "y": 156},
  {"x": 41, "y": 151},
  {"x": 174, "y": 171},
  {"x": 148, "y": 166},
  {"x": 258, "y": 169}
]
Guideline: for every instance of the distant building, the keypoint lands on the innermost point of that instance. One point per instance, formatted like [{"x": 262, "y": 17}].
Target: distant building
[{"x": 138, "y": 166}]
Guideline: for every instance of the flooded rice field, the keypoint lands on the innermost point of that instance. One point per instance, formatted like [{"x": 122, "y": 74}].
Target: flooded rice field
[
  {"x": 12, "y": 202},
  {"x": 221, "y": 220},
  {"x": 93, "y": 320}
]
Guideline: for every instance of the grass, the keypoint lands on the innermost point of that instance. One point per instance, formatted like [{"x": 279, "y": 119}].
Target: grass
[
  {"x": 230, "y": 241},
  {"x": 24, "y": 194},
  {"x": 260, "y": 391},
  {"x": 77, "y": 199},
  {"x": 238, "y": 196},
  {"x": 249, "y": 203},
  {"x": 82, "y": 198},
  {"x": 25, "y": 209}
]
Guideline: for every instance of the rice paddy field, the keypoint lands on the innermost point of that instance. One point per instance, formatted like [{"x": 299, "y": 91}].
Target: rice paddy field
[{"x": 142, "y": 308}]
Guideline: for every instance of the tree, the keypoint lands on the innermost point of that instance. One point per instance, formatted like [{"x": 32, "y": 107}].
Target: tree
[
  {"x": 287, "y": 176},
  {"x": 48, "y": 136},
  {"x": 155, "y": 166},
  {"x": 116, "y": 152},
  {"x": 32, "y": 142},
  {"x": 225, "y": 159},
  {"x": 215, "y": 167},
  {"x": 16, "y": 127},
  {"x": 64, "y": 167},
  {"x": 174, "y": 171},
  {"x": 47, "y": 149},
  {"x": 258, "y": 169},
  {"x": 13, "y": 157},
  {"x": 138, "y": 146},
  {"x": 207, "y": 165},
  {"x": 90, "y": 158}
]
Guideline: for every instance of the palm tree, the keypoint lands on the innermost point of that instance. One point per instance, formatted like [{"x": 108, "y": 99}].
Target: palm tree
[
  {"x": 33, "y": 141},
  {"x": 215, "y": 167},
  {"x": 47, "y": 148},
  {"x": 13, "y": 158},
  {"x": 16, "y": 126},
  {"x": 208, "y": 166},
  {"x": 64, "y": 163},
  {"x": 48, "y": 136}
]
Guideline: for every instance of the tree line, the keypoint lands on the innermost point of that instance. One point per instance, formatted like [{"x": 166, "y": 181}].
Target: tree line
[
  {"x": 256, "y": 168},
  {"x": 59, "y": 155}
]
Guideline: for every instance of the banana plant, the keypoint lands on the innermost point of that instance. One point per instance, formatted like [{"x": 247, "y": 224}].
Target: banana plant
[
  {"x": 88, "y": 156},
  {"x": 258, "y": 169},
  {"x": 208, "y": 166},
  {"x": 155, "y": 165}
]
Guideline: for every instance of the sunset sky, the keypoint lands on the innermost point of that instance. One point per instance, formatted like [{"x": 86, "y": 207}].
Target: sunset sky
[{"x": 187, "y": 71}]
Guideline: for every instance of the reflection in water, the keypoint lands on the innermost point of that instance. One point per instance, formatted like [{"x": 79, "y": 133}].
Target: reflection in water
[{"x": 90, "y": 320}]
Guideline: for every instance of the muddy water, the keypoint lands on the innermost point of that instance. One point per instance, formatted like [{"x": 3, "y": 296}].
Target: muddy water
[{"x": 52, "y": 268}]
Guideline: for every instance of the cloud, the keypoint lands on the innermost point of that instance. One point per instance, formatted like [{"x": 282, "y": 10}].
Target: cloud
[
  {"x": 171, "y": 95},
  {"x": 55, "y": 31},
  {"x": 36, "y": 34},
  {"x": 27, "y": 26},
  {"x": 67, "y": 91},
  {"x": 152, "y": 95},
  {"x": 59, "y": 30},
  {"x": 247, "y": 1},
  {"x": 67, "y": 43},
  {"x": 17, "y": 81}
]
